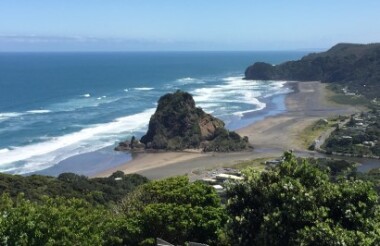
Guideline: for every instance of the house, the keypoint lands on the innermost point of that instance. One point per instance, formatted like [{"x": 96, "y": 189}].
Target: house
[
  {"x": 346, "y": 137},
  {"x": 218, "y": 188},
  {"x": 223, "y": 177},
  {"x": 209, "y": 180}
]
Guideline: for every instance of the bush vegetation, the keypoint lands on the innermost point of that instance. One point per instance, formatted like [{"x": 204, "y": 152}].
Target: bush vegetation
[
  {"x": 354, "y": 66},
  {"x": 103, "y": 191},
  {"x": 298, "y": 202},
  {"x": 360, "y": 137}
]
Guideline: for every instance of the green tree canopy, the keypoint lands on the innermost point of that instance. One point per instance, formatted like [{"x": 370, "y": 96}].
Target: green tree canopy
[
  {"x": 55, "y": 221},
  {"x": 176, "y": 210},
  {"x": 297, "y": 204}
]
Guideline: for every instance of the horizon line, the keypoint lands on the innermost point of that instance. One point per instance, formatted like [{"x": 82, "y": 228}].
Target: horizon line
[{"x": 162, "y": 51}]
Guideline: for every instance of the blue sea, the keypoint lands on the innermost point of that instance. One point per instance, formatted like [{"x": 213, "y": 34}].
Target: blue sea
[{"x": 63, "y": 112}]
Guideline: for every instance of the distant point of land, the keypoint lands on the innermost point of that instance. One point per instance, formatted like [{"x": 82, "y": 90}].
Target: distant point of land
[{"x": 353, "y": 67}]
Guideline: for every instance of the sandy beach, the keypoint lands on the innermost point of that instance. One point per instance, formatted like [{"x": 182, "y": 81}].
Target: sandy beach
[{"x": 270, "y": 136}]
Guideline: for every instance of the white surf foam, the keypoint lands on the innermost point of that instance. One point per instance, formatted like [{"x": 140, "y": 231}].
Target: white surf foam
[
  {"x": 4, "y": 150},
  {"x": 277, "y": 88},
  {"x": 86, "y": 95},
  {"x": 188, "y": 80},
  {"x": 235, "y": 92},
  {"x": 79, "y": 103},
  {"x": 45, "y": 154},
  {"x": 126, "y": 90},
  {"x": 8, "y": 115},
  {"x": 260, "y": 106},
  {"x": 143, "y": 88},
  {"x": 38, "y": 111}
]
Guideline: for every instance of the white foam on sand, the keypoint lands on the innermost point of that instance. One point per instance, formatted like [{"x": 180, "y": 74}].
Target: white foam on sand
[
  {"x": 45, "y": 154},
  {"x": 277, "y": 88}
]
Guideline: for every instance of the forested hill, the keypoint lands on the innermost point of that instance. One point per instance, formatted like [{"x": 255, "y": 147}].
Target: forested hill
[{"x": 356, "y": 66}]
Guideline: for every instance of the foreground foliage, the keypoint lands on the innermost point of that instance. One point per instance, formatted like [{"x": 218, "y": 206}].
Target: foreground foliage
[
  {"x": 102, "y": 191},
  {"x": 298, "y": 204},
  {"x": 55, "y": 221},
  {"x": 176, "y": 210}
]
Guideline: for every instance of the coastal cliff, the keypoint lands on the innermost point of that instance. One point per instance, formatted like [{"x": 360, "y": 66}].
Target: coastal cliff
[
  {"x": 355, "y": 66},
  {"x": 178, "y": 124}
]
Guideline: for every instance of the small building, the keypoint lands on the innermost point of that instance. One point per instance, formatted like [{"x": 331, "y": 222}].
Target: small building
[
  {"x": 218, "y": 187},
  {"x": 209, "y": 180},
  {"x": 358, "y": 120},
  {"x": 346, "y": 137},
  {"x": 223, "y": 177},
  {"x": 369, "y": 143}
]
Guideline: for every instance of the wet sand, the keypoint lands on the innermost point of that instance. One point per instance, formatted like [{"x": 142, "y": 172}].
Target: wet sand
[{"x": 270, "y": 137}]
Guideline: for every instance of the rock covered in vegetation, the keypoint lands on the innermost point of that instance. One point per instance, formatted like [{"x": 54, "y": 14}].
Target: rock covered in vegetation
[
  {"x": 178, "y": 124},
  {"x": 355, "y": 66}
]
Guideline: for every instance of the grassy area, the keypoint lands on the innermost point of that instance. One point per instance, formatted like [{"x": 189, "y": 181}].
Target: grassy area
[
  {"x": 312, "y": 132},
  {"x": 258, "y": 164},
  {"x": 336, "y": 95}
]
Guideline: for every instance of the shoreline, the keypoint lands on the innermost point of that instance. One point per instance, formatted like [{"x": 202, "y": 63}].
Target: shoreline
[
  {"x": 95, "y": 163},
  {"x": 270, "y": 136}
]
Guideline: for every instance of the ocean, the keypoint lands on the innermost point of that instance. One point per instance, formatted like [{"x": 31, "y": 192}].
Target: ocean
[{"x": 64, "y": 112}]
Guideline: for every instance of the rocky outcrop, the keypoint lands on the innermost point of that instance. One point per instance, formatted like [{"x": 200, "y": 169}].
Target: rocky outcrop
[
  {"x": 355, "y": 66},
  {"x": 208, "y": 125},
  {"x": 132, "y": 145},
  {"x": 178, "y": 124}
]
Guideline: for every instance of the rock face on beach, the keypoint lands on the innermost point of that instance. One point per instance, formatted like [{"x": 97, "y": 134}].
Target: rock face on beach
[
  {"x": 178, "y": 124},
  {"x": 355, "y": 66},
  {"x": 132, "y": 145}
]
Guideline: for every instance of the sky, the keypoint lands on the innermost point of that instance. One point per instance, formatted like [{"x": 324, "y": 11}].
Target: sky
[{"x": 180, "y": 25}]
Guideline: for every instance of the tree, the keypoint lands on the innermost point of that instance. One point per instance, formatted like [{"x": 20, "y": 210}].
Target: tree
[
  {"x": 176, "y": 210},
  {"x": 55, "y": 221},
  {"x": 297, "y": 204}
]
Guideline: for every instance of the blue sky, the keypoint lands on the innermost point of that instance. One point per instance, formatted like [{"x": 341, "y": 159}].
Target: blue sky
[{"x": 143, "y": 25}]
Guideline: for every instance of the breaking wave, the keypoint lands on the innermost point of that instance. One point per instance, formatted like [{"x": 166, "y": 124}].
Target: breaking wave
[{"x": 45, "y": 154}]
